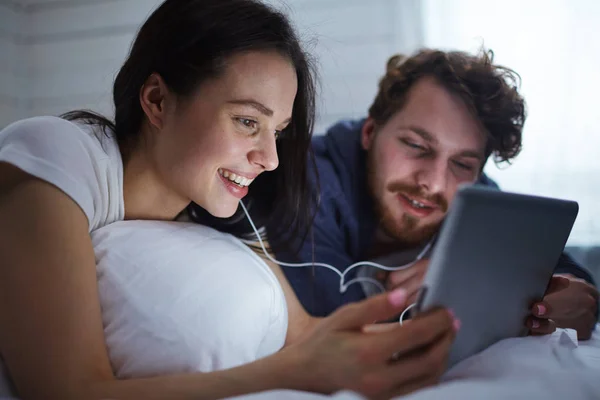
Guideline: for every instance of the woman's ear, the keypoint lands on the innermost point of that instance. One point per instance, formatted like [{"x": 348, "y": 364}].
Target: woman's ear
[{"x": 152, "y": 99}]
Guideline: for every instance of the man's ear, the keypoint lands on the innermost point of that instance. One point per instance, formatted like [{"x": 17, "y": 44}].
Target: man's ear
[
  {"x": 367, "y": 133},
  {"x": 152, "y": 99}
]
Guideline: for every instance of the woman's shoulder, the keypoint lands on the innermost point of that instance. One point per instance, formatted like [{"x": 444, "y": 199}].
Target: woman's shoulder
[
  {"x": 58, "y": 131},
  {"x": 39, "y": 125},
  {"x": 81, "y": 160}
]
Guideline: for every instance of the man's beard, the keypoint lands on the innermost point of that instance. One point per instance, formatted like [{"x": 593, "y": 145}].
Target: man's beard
[{"x": 406, "y": 232}]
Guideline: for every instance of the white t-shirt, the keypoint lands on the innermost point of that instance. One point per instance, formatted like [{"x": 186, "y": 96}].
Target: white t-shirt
[
  {"x": 81, "y": 160},
  {"x": 199, "y": 301}
]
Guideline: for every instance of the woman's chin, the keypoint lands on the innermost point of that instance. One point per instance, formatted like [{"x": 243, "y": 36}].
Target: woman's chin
[{"x": 224, "y": 209}]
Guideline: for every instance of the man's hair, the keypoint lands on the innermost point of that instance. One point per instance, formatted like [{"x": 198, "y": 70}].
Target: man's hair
[{"x": 489, "y": 91}]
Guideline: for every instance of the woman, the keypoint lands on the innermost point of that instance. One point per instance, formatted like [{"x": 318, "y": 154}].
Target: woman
[{"x": 215, "y": 96}]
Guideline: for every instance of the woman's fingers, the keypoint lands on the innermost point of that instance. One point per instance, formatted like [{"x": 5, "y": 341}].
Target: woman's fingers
[
  {"x": 427, "y": 362},
  {"x": 416, "y": 334},
  {"x": 381, "y": 307},
  {"x": 416, "y": 370},
  {"x": 357, "y": 354}
]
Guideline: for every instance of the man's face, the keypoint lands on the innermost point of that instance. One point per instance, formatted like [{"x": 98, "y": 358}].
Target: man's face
[{"x": 418, "y": 158}]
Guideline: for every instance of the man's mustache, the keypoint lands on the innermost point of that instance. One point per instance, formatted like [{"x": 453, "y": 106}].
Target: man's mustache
[{"x": 416, "y": 191}]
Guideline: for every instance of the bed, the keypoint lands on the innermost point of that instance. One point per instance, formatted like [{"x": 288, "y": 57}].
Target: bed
[
  {"x": 554, "y": 367},
  {"x": 153, "y": 297}
]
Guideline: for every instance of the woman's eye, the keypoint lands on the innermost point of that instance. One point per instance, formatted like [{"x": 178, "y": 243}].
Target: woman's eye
[
  {"x": 279, "y": 133},
  {"x": 248, "y": 123}
]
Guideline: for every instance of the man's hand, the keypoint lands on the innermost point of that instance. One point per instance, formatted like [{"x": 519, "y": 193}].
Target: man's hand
[
  {"x": 569, "y": 302},
  {"x": 410, "y": 279}
]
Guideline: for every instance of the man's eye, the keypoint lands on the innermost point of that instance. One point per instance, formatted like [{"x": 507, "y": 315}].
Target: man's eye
[
  {"x": 463, "y": 166},
  {"x": 412, "y": 145}
]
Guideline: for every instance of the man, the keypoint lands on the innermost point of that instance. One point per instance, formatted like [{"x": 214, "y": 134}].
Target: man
[{"x": 386, "y": 182}]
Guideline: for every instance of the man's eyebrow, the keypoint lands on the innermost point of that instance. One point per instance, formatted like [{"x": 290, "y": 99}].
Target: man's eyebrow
[
  {"x": 255, "y": 104},
  {"x": 427, "y": 136},
  {"x": 472, "y": 154}
]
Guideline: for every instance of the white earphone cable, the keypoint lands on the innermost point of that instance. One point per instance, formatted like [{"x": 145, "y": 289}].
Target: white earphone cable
[{"x": 343, "y": 285}]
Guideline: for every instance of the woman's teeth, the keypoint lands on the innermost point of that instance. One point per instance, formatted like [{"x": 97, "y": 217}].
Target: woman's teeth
[{"x": 239, "y": 180}]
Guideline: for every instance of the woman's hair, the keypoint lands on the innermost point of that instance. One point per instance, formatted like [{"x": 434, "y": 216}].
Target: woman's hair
[
  {"x": 190, "y": 41},
  {"x": 489, "y": 91}
]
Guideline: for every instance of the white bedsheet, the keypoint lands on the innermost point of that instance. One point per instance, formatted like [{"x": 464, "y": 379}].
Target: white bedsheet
[{"x": 554, "y": 367}]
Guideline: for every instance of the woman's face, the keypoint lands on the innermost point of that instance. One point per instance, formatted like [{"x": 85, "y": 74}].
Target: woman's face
[{"x": 209, "y": 148}]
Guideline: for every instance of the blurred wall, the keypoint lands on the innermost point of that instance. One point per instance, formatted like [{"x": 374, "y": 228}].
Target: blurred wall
[
  {"x": 71, "y": 50},
  {"x": 13, "y": 90}
]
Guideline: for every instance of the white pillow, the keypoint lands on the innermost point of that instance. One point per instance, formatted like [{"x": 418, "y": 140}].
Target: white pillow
[{"x": 180, "y": 297}]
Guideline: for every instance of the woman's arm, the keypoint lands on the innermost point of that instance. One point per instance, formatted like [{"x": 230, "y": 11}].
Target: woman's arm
[
  {"x": 300, "y": 323},
  {"x": 52, "y": 336}
]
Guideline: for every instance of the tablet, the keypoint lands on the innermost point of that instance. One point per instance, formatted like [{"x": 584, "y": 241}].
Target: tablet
[{"x": 494, "y": 257}]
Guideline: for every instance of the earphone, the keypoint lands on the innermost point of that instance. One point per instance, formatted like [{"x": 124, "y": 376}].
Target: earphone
[{"x": 343, "y": 285}]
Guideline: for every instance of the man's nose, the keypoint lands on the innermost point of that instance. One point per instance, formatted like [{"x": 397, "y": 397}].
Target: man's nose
[{"x": 433, "y": 176}]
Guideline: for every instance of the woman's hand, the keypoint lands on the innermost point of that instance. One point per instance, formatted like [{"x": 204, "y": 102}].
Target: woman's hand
[{"x": 345, "y": 351}]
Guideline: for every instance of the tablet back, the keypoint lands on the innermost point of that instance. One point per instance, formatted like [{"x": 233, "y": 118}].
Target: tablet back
[{"x": 494, "y": 257}]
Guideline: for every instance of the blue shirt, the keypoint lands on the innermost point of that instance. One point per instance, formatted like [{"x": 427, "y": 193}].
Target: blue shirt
[{"x": 345, "y": 223}]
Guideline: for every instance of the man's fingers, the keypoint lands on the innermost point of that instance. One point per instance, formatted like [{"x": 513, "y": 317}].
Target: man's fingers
[
  {"x": 593, "y": 291},
  {"x": 381, "y": 307},
  {"x": 541, "y": 326},
  {"x": 413, "y": 293},
  {"x": 411, "y": 284},
  {"x": 542, "y": 309},
  {"x": 584, "y": 325},
  {"x": 586, "y": 287},
  {"x": 570, "y": 303},
  {"x": 397, "y": 278},
  {"x": 381, "y": 275},
  {"x": 581, "y": 284},
  {"x": 557, "y": 283}
]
